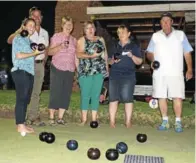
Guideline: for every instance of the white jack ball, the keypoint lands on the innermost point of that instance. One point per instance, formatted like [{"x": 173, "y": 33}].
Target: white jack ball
[
  {"x": 153, "y": 103},
  {"x": 23, "y": 133}
]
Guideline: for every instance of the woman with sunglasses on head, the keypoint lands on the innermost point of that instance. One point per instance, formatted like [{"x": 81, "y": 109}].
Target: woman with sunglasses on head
[{"x": 23, "y": 72}]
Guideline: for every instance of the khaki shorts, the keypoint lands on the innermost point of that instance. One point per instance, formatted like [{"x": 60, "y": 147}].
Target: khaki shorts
[{"x": 168, "y": 87}]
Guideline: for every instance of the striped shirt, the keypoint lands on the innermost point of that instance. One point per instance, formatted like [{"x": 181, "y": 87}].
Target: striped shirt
[{"x": 65, "y": 59}]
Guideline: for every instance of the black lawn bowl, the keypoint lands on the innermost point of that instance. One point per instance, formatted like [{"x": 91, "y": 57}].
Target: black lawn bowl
[
  {"x": 93, "y": 153},
  {"x": 33, "y": 45},
  {"x": 24, "y": 33},
  {"x": 112, "y": 154},
  {"x": 117, "y": 56},
  {"x": 141, "y": 138},
  {"x": 156, "y": 65},
  {"x": 41, "y": 47},
  {"x": 42, "y": 136},
  {"x": 99, "y": 50},
  {"x": 94, "y": 124},
  {"x": 50, "y": 138}
]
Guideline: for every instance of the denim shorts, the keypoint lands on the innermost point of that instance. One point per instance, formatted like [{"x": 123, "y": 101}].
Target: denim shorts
[{"x": 121, "y": 90}]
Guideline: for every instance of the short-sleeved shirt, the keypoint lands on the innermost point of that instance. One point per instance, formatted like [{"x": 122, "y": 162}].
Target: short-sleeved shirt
[
  {"x": 169, "y": 50},
  {"x": 65, "y": 59},
  {"x": 125, "y": 68},
  {"x": 22, "y": 45},
  {"x": 41, "y": 37},
  {"x": 94, "y": 65}
]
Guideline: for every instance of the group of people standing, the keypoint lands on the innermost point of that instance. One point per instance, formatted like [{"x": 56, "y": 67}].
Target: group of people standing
[{"x": 88, "y": 56}]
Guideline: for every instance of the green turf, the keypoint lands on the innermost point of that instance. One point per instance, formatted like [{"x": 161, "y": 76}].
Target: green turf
[
  {"x": 175, "y": 148},
  {"x": 142, "y": 114},
  {"x": 7, "y": 97}
]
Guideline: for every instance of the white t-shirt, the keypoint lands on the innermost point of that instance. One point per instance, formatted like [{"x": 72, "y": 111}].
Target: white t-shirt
[
  {"x": 43, "y": 38},
  {"x": 169, "y": 51}
]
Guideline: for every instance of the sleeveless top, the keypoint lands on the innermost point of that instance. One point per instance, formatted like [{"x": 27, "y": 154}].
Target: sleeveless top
[{"x": 92, "y": 66}]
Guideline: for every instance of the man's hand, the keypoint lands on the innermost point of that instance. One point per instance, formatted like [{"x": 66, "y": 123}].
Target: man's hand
[
  {"x": 189, "y": 74},
  {"x": 20, "y": 29},
  {"x": 151, "y": 65}
]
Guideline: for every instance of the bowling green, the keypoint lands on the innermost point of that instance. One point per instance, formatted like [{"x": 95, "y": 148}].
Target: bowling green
[{"x": 175, "y": 148}]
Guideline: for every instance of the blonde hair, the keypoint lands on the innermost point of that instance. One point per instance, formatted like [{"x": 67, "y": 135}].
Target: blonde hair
[
  {"x": 86, "y": 23},
  {"x": 66, "y": 19},
  {"x": 26, "y": 20}
]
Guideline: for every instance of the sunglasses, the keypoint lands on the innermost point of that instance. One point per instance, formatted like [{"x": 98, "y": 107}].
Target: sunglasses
[{"x": 33, "y": 9}]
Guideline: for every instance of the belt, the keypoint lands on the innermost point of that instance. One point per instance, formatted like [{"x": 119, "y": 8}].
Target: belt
[{"x": 38, "y": 61}]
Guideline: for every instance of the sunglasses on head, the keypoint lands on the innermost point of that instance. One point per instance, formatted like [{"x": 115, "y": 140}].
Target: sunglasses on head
[{"x": 34, "y": 8}]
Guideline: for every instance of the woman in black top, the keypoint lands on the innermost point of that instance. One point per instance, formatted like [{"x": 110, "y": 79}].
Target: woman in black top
[{"x": 126, "y": 56}]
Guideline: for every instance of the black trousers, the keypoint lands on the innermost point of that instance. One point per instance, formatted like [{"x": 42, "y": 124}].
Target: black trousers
[
  {"x": 23, "y": 85},
  {"x": 61, "y": 83}
]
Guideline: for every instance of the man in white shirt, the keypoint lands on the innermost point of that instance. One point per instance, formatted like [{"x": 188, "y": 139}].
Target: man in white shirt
[
  {"x": 40, "y": 36},
  {"x": 169, "y": 47}
]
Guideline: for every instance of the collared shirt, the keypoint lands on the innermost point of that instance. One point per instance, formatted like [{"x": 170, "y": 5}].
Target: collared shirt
[
  {"x": 65, "y": 59},
  {"x": 22, "y": 45},
  {"x": 41, "y": 37},
  {"x": 125, "y": 68},
  {"x": 169, "y": 51}
]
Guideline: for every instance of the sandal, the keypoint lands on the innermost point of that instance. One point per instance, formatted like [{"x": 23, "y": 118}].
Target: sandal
[
  {"x": 60, "y": 122},
  {"x": 51, "y": 122}
]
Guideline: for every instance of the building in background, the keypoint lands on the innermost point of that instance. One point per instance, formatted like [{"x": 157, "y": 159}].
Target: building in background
[{"x": 143, "y": 18}]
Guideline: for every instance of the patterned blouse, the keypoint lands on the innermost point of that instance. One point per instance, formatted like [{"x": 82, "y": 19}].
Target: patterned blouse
[
  {"x": 22, "y": 45},
  {"x": 95, "y": 65},
  {"x": 64, "y": 60}
]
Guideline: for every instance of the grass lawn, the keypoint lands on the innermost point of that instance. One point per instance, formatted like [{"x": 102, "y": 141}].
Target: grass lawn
[
  {"x": 173, "y": 147},
  {"x": 142, "y": 114}
]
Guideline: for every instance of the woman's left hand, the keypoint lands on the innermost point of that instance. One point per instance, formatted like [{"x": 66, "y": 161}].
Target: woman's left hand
[{"x": 130, "y": 54}]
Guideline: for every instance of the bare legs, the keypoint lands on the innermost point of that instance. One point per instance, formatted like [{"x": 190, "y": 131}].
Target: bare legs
[
  {"x": 84, "y": 115},
  {"x": 177, "y": 105},
  {"x": 113, "y": 106},
  {"x": 61, "y": 112}
]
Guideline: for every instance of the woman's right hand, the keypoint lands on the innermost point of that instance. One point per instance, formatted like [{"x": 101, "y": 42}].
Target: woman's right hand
[
  {"x": 111, "y": 61},
  {"x": 64, "y": 45},
  {"x": 37, "y": 52},
  {"x": 95, "y": 55}
]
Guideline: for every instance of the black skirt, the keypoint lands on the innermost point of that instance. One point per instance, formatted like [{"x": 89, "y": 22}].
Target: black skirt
[{"x": 61, "y": 83}]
